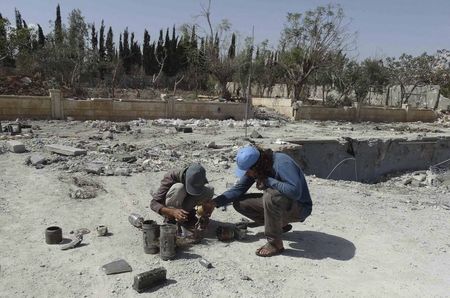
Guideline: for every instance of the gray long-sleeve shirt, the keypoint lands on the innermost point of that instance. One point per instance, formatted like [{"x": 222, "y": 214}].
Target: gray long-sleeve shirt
[{"x": 287, "y": 178}]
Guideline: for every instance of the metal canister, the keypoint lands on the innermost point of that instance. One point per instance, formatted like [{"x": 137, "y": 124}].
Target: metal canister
[
  {"x": 225, "y": 233},
  {"x": 150, "y": 232},
  {"x": 136, "y": 220},
  {"x": 53, "y": 235},
  {"x": 205, "y": 263},
  {"x": 167, "y": 241}
]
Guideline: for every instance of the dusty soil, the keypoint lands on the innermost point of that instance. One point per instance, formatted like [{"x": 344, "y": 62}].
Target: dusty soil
[{"x": 386, "y": 239}]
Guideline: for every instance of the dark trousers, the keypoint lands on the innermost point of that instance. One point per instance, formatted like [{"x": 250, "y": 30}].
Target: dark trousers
[{"x": 270, "y": 208}]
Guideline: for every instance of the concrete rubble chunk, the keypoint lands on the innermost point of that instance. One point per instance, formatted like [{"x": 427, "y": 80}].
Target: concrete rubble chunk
[
  {"x": 125, "y": 158},
  {"x": 94, "y": 168},
  {"x": 122, "y": 172},
  {"x": 256, "y": 135},
  {"x": 37, "y": 160},
  {"x": 16, "y": 146},
  {"x": 65, "y": 150}
]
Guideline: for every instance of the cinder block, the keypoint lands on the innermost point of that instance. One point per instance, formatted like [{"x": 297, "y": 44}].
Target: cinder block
[{"x": 16, "y": 146}]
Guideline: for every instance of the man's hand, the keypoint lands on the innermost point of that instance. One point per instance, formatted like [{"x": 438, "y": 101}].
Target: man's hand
[
  {"x": 208, "y": 208},
  {"x": 261, "y": 185},
  {"x": 178, "y": 214}
]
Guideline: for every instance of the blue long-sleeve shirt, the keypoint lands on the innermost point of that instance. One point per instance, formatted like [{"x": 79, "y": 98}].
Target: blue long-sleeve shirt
[{"x": 287, "y": 178}]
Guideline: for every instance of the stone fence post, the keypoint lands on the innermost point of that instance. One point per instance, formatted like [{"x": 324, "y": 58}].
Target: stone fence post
[
  {"x": 170, "y": 108},
  {"x": 56, "y": 104},
  {"x": 357, "y": 106}
]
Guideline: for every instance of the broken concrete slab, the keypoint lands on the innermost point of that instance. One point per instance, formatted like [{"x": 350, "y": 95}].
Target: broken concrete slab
[
  {"x": 16, "y": 146},
  {"x": 65, "y": 150},
  {"x": 118, "y": 266}
]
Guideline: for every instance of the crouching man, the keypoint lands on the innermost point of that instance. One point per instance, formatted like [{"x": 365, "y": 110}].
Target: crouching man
[
  {"x": 285, "y": 196},
  {"x": 179, "y": 192}
]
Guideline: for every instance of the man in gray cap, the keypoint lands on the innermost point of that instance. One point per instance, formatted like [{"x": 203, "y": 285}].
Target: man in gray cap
[{"x": 180, "y": 191}]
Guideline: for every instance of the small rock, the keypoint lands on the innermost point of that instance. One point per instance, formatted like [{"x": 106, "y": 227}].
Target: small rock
[
  {"x": 94, "y": 168},
  {"x": 37, "y": 160},
  {"x": 108, "y": 135},
  {"x": 122, "y": 172},
  {"x": 245, "y": 277},
  {"x": 125, "y": 158},
  {"x": 255, "y": 135}
]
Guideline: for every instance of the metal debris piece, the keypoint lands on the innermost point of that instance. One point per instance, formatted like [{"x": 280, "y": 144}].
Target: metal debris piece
[
  {"x": 118, "y": 266},
  {"x": 74, "y": 243},
  {"x": 149, "y": 279}
]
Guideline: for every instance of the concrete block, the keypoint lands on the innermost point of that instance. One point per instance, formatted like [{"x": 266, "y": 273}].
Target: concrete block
[
  {"x": 65, "y": 150},
  {"x": 37, "y": 160},
  {"x": 16, "y": 146}
]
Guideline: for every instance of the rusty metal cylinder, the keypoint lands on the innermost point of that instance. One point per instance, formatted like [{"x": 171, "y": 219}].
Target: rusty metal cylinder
[
  {"x": 167, "y": 241},
  {"x": 225, "y": 233},
  {"x": 150, "y": 232},
  {"x": 53, "y": 235}
]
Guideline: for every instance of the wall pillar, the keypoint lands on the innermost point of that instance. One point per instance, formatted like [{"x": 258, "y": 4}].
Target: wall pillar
[{"x": 57, "y": 104}]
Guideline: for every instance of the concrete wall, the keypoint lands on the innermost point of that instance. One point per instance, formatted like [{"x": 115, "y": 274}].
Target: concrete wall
[
  {"x": 324, "y": 113},
  {"x": 13, "y": 107},
  {"x": 365, "y": 113},
  {"x": 107, "y": 109},
  {"x": 211, "y": 110},
  {"x": 55, "y": 107},
  {"x": 368, "y": 160},
  {"x": 281, "y": 105}
]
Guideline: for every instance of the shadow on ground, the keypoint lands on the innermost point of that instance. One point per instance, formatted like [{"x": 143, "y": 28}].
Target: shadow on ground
[{"x": 318, "y": 246}]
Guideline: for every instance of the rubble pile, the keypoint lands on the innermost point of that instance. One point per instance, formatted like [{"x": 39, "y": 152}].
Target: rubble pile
[
  {"x": 106, "y": 155},
  {"x": 22, "y": 85},
  {"x": 430, "y": 178}
]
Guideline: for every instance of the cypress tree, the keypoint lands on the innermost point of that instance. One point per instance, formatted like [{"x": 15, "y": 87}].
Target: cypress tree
[
  {"x": 41, "y": 36},
  {"x": 126, "y": 52},
  {"x": 146, "y": 54},
  {"x": 120, "y": 46},
  {"x": 101, "y": 45},
  {"x": 126, "y": 47},
  {"x": 154, "y": 66},
  {"x": 19, "y": 22},
  {"x": 94, "y": 39},
  {"x": 232, "y": 49},
  {"x": 25, "y": 26},
  {"x": 160, "y": 47},
  {"x": 110, "y": 51},
  {"x": 193, "y": 38},
  {"x": 3, "y": 36},
  {"x": 58, "y": 26}
]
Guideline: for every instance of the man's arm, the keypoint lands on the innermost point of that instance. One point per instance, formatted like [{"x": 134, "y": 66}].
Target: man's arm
[
  {"x": 159, "y": 197},
  {"x": 290, "y": 184},
  {"x": 234, "y": 192}
]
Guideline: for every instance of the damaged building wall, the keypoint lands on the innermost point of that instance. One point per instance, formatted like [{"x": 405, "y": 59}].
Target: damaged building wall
[
  {"x": 280, "y": 105},
  {"x": 368, "y": 160},
  {"x": 364, "y": 113}
]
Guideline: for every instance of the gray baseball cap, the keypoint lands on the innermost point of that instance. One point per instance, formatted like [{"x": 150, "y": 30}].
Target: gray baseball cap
[{"x": 195, "y": 179}]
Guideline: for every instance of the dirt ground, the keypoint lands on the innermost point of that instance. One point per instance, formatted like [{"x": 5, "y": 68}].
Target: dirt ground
[{"x": 386, "y": 239}]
